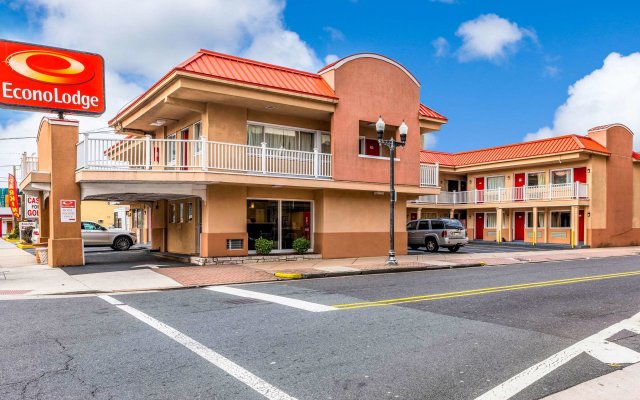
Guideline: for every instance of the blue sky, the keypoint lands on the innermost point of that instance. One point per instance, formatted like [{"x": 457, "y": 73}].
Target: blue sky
[{"x": 502, "y": 73}]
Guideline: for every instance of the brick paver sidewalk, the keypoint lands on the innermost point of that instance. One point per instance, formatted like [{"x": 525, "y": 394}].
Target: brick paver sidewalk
[{"x": 215, "y": 275}]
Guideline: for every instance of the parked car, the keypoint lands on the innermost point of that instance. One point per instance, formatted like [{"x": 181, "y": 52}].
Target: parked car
[
  {"x": 436, "y": 233},
  {"x": 97, "y": 235}
]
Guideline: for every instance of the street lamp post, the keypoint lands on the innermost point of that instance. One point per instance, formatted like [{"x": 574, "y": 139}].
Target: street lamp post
[{"x": 391, "y": 144}]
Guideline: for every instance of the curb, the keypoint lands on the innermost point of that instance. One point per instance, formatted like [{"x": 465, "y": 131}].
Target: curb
[{"x": 314, "y": 275}]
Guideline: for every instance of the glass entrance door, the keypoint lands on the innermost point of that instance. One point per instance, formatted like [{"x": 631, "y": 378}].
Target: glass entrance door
[
  {"x": 296, "y": 222},
  {"x": 262, "y": 221}
]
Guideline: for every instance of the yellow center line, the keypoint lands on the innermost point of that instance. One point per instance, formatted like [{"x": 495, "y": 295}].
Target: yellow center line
[{"x": 476, "y": 292}]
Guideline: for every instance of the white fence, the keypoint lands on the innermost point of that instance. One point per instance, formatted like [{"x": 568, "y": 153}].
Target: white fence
[
  {"x": 28, "y": 164},
  {"x": 202, "y": 155},
  {"x": 429, "y": 174},
  {"x": 575, "y": 190}
]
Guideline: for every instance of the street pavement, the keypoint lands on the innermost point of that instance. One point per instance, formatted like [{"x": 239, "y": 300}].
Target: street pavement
[{"x": 444, "y": 334}]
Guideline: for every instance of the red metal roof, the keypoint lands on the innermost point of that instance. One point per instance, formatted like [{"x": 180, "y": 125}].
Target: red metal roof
[
  {"x": 238, "y": 69},
  {"x": 433, "y": 157},
  {"x": 430, "y": 113},
  {"x": 555, "y": 145},
  {"x": 636, "y": 156}
]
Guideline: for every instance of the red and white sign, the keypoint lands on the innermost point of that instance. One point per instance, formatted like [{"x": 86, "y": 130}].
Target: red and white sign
[
  {"x": 50, "y": 79},
  {"x": 68, "y": 211},
  {"x": 31, "y": 207},
  {"x": 12, "y": 196}
]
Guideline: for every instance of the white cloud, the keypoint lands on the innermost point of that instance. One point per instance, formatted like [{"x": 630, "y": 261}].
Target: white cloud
[
  {"x": 609, "y": 94},
  {"x": 429, "y": 141},
  {"x": 334, "y": 33},
  {"x": 331, "y": 58},
  {"x": 490, "y": 37},
  {"x": 142, "y": 40},
  {"x": 441, "y": 45},
  {"x": 551, "y": 71}
]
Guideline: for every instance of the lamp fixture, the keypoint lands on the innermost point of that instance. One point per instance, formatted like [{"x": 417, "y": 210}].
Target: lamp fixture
[
  {"x": 159, "y": 122},
  {"x": 380, "y": 127},
  {"x": 403, "y": 132}
]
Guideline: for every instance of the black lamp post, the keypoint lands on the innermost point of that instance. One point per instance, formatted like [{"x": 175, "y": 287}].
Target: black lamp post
[{"x": 392, "y": 144}]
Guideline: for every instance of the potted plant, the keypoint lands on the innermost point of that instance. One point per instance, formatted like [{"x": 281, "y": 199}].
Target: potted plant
[
  {"x": 264, "y": 246},
  {"x": 301, "y": 245}
]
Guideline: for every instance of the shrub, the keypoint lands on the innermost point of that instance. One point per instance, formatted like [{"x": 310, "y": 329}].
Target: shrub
[
  {"x": 264, "y": 246},
  {"x": 15, "y": 234},
  {"x": 27, "y": 235},
  {"x": 301, "y": 245}
]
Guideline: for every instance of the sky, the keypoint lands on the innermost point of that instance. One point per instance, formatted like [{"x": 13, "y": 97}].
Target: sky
[{"x": 501, "y": 71}]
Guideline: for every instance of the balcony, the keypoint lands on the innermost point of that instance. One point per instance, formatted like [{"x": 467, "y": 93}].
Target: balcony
[
  {"x": 28, "y": 164},
  {"x": 429, "y": 175},
  {"x": 568, "y": 191},
  {"x": 141, "y": 154}
]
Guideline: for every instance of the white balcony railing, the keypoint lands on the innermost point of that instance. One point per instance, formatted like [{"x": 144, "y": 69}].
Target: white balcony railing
[
  {"x": 199, "y": 155},
  {"x": 575, "y": 190},
  {"x": 28, "y": 164},
  {"x": 429, "y": 175}
]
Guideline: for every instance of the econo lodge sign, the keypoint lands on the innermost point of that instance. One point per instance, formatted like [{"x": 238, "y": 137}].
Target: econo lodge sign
[{"x": 50, "y": 79}]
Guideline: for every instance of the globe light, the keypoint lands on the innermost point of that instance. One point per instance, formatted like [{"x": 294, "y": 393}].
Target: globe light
[
  {"x": 403, "y": 132},
  {"x": 380, "y": 127}
]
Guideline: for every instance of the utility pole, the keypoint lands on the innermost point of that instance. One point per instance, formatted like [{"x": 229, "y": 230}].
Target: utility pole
[{"x": 12, "y": 214}]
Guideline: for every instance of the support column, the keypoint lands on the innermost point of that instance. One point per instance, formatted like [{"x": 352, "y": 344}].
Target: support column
[
  {"x": 534, "y": 240},
  {"x": 499, "y": 225},
  {"x": 419, "y": 213},
  {"x": 451, "y": 212},
  {"x": 57, "y": 140},
  {"x": 509, "y": 225},
  {"x": 586, "y": 226},
  {"x": 574, "y": 226}
]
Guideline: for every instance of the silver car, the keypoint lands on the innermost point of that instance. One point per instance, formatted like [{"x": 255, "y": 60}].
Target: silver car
[
  {"x": 436, "y": 233},
  {"x": 97, "y": 235}
]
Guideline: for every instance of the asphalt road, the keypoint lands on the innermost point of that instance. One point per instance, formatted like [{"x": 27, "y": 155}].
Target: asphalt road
[{"x": 199, "y": 343}]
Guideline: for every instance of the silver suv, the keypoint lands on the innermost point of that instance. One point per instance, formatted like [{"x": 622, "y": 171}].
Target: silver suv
[
  {"x": 436, "y": 233},
  {"x": 97, "y": 235}
]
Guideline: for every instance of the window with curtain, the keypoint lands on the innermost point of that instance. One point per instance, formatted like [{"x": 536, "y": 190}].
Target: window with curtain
[
  {"x": 284, "y": 138},
  {"x": 535, "y": 179},
  {"x": 325, "y": 143},
  {"x": 561, "y": 219},
  {"x": 495, "y": 182},
  {"x": 561, "y": 176},
  {"x": 530, "y": 220},
  {"x": 490, "y": 220}
]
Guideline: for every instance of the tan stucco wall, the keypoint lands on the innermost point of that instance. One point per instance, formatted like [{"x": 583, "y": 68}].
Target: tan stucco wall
[
  {"x": 368, "y": 88},
  {"x": 99, "y": 212}
]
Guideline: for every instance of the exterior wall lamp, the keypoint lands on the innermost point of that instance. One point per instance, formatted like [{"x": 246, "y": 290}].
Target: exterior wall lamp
[{"x": 391, "y": 144}]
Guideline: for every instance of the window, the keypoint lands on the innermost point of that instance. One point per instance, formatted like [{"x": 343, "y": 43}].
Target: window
[
  {"x": 181, "y": 213},
  {"x": 197, "y": 135},
  {"x": 453, "y": 224},
  {"x": 283, "y": 138},
  {"x": 495, "y": 182},
  {"x": 535, "y": 179},
  {"x": 325, "y": 143},
  {"x": 411, "y": 226},
  {"x": 171, "y": 149},
  {"x": 561, "y": 176},
  {"x": 530, "y": 220},
  {"x": 490, "y": 220},
  {"x": 437, "y": 225},
  {"x": 190, "y": 211},
  {"x": 423, "y": 225},
  {"x": 90, "y": 226},
  {"x": 561, "y": 219},
  {"x": 172, "y": 214}
]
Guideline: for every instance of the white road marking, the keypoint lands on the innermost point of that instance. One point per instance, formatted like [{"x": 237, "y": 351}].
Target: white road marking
[
  {"x": 152, "y": 266},
  {"x": 286, "y": 301},
  {"x": 228, "y": 366},
  {"x": 596, "y": 345}
]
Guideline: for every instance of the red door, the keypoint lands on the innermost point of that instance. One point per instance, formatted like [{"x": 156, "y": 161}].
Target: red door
[
  {"x": 518, "y": 228},
  {"x": 518, "y": 182},
  {"x": 581, "y": 226},
  {"x": 580, "y": 175},
  {"x": 479, "y": 226},
  {"x": 480, "y": 189},
  {"x": 413, "y": 217},
  {"x": 372, "y": 147}
]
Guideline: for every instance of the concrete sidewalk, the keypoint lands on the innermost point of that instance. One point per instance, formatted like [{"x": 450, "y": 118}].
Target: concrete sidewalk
[
  {"x": 620, "y": 384},
  {"x": 20, "y": 277}
]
